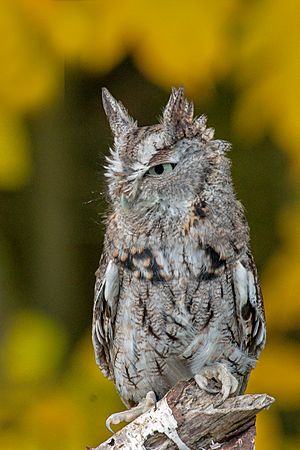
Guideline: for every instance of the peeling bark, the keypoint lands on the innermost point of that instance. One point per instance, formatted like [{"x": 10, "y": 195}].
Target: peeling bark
[{"x": 188, "y": 418}]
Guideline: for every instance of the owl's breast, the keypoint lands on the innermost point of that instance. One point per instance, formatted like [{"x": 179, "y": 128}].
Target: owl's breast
[
  {"x": 159, "y": 329},
  {"x": 166, "y": 260},
  {"x": 152, "y": 328}
]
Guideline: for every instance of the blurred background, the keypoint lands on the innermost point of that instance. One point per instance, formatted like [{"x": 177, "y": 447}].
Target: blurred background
[{"x": 240, "y": 63}]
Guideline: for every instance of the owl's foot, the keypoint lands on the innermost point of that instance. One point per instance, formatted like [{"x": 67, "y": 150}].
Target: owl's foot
[
  {"x": 133, "y": 413},
  {"x": 220, "y": 374}
]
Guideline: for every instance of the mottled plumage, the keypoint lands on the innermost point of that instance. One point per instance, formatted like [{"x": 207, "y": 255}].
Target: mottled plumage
[{"x": 177, "y": 289}]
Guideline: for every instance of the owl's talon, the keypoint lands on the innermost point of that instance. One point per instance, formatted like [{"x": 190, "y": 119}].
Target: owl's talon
[
  {"x": 114, "y": 419},
  {"x": 149, "y": 401},
  {"x": 219, "y": 372},
  {"x": 212, "y": 391},
  {"x": 201, "y": 380},
  {"x": 133, "y": 413}
]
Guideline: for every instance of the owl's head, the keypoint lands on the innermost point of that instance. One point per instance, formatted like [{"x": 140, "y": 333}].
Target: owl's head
[{"x": 164, "y": 166}]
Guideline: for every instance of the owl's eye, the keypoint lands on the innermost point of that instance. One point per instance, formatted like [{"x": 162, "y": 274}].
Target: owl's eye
[{"x": 161, "y": 169}]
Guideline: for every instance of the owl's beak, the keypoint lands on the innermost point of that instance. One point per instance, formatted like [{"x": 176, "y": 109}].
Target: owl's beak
[{"x": 124, "y": 202}]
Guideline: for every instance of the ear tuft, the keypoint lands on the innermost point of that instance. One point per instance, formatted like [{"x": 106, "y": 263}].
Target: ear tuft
[
  {"x": 119, "y": 120},
  {"x": 175, "y": 107},
  {"x": 178, "y": 114}
]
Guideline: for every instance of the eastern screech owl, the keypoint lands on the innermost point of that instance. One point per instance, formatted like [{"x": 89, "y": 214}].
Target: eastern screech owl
[{"x": 177, "y": 293}]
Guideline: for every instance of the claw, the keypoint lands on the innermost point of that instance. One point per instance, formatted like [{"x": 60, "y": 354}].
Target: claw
[
  {"x": 107, "y": 424},
  {"x": 133, "y": 413},
  {"x": 219, "y": 372},
  {"x": 150, "y": 400},
  {"x": 112, "y": 419}
]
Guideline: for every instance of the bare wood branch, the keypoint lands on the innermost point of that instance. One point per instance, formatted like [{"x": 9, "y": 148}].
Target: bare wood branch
[{"x": 188, "y": 418}]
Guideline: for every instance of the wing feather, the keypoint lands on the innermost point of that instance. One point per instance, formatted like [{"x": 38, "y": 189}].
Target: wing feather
[
  {"x": 250, "y": 310},
  {"x": 104, "y": 313}
]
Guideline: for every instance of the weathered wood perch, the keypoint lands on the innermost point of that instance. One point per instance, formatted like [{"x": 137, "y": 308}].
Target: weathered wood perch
[{"x": 188, "y": 418}]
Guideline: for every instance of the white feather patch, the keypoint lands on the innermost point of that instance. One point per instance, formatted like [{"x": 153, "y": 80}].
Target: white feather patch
[
  {"x": 240, "y": 275},
  {"x": 245, "y": 287},
  {"x": 111, "y": 288}
]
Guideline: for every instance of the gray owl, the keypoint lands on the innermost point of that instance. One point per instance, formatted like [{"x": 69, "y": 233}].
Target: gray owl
[{"x": 177, "y": 293}]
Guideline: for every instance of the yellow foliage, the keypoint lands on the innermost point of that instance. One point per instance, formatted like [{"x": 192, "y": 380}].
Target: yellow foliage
[
  {"x": 54, "y": 421},
  {"x": 11, "y": 439},
  {"x": 281, "y": 277},
  {"x": 44, "y": 409},
  {"x": 96, "y": 396},
  {"x": 172, "y": 43},
  {"x": 277, "y": 360},
  {"x": 183, "y": 43},
  {"x": 99, "y": 30},
  {"x": 29, "y": 73},
  {"x": 269, "y": 68},
  {"x": 32, "y": 349},
  {"x": 15, "y": 160},
  {"x": 268, "y": 427}
]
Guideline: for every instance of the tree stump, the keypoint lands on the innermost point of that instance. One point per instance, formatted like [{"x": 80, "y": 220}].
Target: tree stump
[{"x": 188, "y": 418}]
